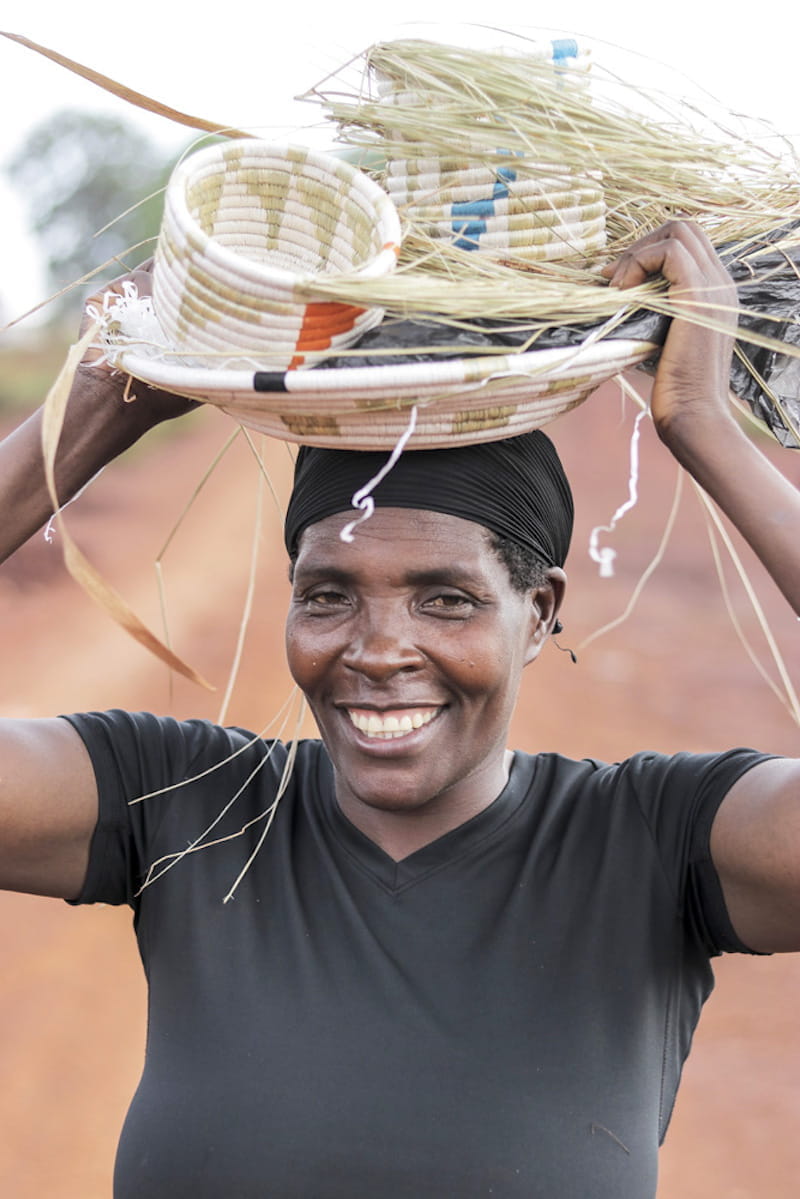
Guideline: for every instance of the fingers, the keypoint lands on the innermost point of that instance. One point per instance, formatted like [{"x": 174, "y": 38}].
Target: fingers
[
  {"x": 675, "y": 250},
  {"x": 153, "y": 405},
  {"x": 97, "y": 302},
  {"x": 681, "y": 252},
  {"x": 140, "y": 275}
]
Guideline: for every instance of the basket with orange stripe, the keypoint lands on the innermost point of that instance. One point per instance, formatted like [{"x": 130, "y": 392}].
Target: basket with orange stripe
[{"x": 247, "y": 225}]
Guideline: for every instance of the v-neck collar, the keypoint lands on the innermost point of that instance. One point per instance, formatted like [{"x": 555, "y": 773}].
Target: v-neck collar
[{"x": 455, "y": 844}]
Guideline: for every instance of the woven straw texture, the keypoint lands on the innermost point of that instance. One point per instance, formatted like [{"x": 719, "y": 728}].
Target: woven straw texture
[
  {"x": 458, "y": 401},
  {"x": 530, "y": 211},
  {"x": 245, "y": 225}
]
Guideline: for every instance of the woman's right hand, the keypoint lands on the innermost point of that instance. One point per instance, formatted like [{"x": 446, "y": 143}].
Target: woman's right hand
[
  {"x": 149, "y": 405},
  {"x": 107, "y": 412}
]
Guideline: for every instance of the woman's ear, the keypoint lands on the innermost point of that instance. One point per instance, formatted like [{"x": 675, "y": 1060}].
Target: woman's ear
[{"x": 545, "y": 604}]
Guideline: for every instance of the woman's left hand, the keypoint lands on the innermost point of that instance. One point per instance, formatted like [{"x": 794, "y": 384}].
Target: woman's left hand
[{"x": 690, "y": 392}]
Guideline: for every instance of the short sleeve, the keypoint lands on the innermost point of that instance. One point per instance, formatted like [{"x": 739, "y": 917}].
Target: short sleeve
[
  {"x": 679, "y": 797},
  {"x": 140, "y": 762}
]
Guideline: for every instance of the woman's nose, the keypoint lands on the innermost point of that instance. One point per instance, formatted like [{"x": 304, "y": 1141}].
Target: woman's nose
[{"x": 382, "y": 644}]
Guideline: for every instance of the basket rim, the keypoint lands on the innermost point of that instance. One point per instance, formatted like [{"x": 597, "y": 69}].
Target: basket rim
[
  {"x": 177, "y": 213},
  {"x": 368, "y": 407},
  {"x": 554, "y": 361}
]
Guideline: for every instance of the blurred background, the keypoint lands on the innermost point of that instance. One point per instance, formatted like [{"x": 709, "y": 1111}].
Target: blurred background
[{"x": 674, "y": 675}]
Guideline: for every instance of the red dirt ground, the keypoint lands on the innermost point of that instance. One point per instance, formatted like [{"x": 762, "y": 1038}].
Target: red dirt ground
[{"x": 673, "y": 677}]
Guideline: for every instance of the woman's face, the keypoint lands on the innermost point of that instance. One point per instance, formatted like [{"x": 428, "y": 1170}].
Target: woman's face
[{"x": 409, "y": 643}]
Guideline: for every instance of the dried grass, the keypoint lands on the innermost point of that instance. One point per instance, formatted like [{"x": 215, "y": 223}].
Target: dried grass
[{"x": 488, "y": 106}]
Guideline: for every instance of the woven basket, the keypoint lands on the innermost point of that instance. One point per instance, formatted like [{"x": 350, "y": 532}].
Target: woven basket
[
  {"x": 367, "y": 407},
  {"x": 246, "y": 224},
  {"x": 485, "y": 198}
]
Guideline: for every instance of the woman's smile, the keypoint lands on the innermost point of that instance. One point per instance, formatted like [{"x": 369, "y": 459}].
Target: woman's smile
[{"x": 391, "y": 725}]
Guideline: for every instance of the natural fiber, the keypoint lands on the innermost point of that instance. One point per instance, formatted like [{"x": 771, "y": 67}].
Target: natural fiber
[
  {"x": 510, "y": 174},
  {"x": 553, "y": 212},
  {"x": 537, "y": 104},
  {"x": 459, "y": 401}
]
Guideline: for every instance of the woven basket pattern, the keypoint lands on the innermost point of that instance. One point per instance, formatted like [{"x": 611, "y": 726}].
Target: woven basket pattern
[
  {"x": 247, "y": 224},
  {"x": 459, "y": 401},
  {"x": 482, "y": 197}
]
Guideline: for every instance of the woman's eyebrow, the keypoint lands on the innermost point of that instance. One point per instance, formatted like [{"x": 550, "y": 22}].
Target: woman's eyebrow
[
  {"x": 452, "y": 575},
  {"x": 310, "y": 571}
]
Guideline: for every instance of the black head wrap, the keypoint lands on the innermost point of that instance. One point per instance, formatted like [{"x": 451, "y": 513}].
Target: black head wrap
[{"x": 516, "y": 488}]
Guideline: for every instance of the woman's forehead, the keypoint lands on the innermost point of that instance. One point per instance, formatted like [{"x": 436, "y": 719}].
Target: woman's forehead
[{"x": 408, "y": 529}]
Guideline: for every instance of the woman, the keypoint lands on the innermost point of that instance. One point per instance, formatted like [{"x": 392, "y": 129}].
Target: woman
[{"x": 449, "y": 970}]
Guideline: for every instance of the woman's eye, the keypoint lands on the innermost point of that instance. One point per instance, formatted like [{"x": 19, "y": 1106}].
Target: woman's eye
[
  {"x": 326, "y": 599},
  {"x": 450, "y": 602}
]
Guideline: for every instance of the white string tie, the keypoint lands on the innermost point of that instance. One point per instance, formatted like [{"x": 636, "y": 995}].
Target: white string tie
[
  {"x": 604, "y": 555},
  {"x": 363, "y": 498}
]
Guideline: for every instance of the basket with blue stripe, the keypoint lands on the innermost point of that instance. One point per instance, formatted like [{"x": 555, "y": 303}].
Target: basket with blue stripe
[{"x": 481, "y": 197}]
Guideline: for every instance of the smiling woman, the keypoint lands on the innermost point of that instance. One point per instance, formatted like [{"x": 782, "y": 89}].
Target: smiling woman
[
  {"x": 410, "y": 645},
  {"x": 451, "y": 969},
  {"x": 416, "y": 621}
]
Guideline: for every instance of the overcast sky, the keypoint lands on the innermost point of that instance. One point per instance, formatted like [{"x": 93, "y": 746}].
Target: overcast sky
[{"x": 230, "y": 66}]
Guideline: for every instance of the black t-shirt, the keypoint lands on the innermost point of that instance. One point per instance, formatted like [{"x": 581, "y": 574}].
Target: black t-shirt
[{"x": 503, "y": 1013}]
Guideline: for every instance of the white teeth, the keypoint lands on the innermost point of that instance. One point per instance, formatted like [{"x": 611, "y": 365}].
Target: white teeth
[{"x": 389, "y": 727}]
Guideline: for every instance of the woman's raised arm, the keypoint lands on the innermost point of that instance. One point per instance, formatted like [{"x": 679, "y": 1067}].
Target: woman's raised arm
[
  {"x": 755, "y": 840},
  {"x": 48, "y": 795},
  {"x": 99, "y": 424},
  {"x": 48, "y": 807}
]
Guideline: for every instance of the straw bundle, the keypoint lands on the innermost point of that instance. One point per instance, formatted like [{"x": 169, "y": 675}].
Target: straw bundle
[
  {"x": 550, "y": 123},
  {"x": 483, "y": 195}
]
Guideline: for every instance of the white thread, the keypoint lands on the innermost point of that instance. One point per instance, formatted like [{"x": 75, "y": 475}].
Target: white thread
[
  {"x": 604, "y": 555},
  {"x": 50, "y": 527},
  {"x": 363, "y": 497},
  {"x": 126, "y": 320}
]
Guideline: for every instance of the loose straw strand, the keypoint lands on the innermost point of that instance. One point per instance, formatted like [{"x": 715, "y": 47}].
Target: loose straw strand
[
  {"x": 284, "y": 783},
  {"x": 790, "y": 694},
  {"x": 247, "y": 611}
]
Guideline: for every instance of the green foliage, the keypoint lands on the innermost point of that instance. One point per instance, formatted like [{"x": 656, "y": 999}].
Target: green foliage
[
  {"x": 79, "y": 172},
  {"x": 28, "y": 367}
]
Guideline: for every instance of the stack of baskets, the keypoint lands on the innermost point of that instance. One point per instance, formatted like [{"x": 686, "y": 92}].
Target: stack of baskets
[
  {"x": 250, "y": 228},
  {"x": 499, "y": 202},
  {"x": 245, "y": 225}
]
